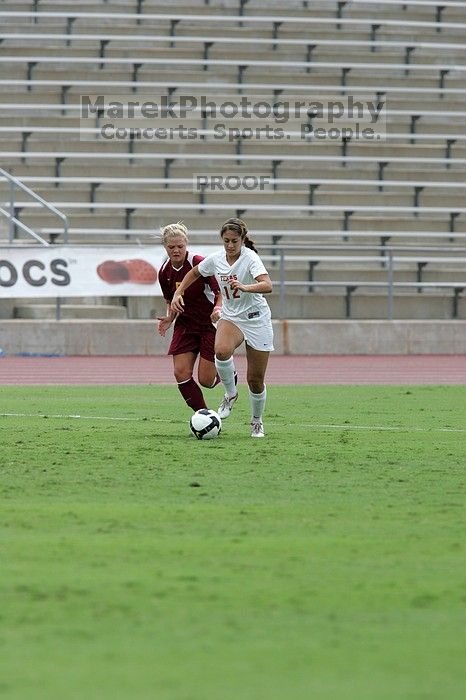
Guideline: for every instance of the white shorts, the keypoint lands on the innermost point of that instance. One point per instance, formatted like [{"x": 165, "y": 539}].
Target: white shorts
[{"x": 258, "y": 333}]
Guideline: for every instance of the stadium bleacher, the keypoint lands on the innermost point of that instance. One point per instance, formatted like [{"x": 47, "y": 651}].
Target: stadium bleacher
[{"x": 404, "y": 188}]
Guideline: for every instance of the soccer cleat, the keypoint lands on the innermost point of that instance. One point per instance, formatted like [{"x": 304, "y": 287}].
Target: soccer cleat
[
  {"x": 257, "y": 428},
  {"x": 226, "y": 406}
]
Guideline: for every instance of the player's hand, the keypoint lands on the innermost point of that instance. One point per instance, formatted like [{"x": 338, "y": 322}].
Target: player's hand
[
  {"x": 234, "y": 284},
  {"x": 177, "y": 304},
  {"x": 164, "y": 324},
  {"x": 215, "y": 315}
]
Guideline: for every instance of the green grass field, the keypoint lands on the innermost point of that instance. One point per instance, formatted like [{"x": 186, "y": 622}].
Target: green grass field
[{"x": 325, "y": 562}]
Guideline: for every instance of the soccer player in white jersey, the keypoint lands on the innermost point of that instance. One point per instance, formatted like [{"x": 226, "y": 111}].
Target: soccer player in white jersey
[{"x": 245, "y": 315}]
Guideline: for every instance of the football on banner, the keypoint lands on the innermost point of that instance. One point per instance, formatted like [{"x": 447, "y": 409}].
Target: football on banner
[{"x": 205, "y": 424}]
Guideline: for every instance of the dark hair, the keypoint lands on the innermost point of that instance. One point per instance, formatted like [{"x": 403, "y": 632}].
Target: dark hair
[{"x": 238, "y": 226}]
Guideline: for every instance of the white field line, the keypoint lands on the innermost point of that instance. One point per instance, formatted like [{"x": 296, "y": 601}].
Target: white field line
[
  {"x": 312, "y": 426},
  {"x": 397, "y": 428},
  {"x": 58, "y": 415}
]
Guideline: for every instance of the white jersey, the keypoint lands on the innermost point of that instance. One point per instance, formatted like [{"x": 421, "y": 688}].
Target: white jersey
[{"x": 235, "y": 303}]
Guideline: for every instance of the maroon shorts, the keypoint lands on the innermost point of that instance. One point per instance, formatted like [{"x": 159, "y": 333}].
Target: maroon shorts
[{"x": 199, "y": 341}]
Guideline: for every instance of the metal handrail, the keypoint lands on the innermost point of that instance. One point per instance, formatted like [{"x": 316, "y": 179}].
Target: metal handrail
[
  {"x": 389, "y": 284},
  {"x": 391, "y": 262},
  {"x": 14, "y": 221}
]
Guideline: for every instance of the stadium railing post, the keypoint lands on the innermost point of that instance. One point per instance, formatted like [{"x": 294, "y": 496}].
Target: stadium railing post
[
  {"x": 390, "y": 286},
  {"x": 281, "y": 304}
]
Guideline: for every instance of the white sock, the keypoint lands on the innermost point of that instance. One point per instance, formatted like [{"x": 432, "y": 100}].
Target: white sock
[
  {"x": 226, "y": 371},
  {"x": 258, "y": 403}
]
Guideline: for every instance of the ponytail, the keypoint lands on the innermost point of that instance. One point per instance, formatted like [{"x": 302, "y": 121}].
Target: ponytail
[
  {"x": 249, "y": 243},
  {"x": 238, "y": 226}
]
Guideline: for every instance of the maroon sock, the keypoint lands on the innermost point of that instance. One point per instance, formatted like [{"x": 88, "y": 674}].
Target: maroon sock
[{"x": 192, "y": 394}]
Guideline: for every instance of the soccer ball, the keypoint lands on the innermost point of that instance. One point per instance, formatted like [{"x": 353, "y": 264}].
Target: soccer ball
[{"x": 205, "y": 424}]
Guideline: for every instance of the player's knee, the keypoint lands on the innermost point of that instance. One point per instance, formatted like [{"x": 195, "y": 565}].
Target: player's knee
[
  {"x": 182, "y": 376},
  {"x": 223, "y": 353},
  {"x": 256, "y": 385}
]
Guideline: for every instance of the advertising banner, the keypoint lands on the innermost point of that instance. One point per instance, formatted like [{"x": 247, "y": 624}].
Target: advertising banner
[{"x": 74, "y": 271}]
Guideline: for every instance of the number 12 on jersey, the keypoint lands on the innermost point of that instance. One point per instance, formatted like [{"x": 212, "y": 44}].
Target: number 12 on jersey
[{"x": 231, "y": 293}]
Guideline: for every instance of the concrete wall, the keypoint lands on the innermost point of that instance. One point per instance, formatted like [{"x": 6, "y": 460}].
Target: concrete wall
[{"x": 117, "y": 337}]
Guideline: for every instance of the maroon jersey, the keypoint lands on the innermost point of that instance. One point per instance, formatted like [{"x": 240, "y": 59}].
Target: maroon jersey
[{"x": 199, "y": 297}]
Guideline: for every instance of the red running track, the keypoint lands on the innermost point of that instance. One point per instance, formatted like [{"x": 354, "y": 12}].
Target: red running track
[{"x": 321, "y": 369}]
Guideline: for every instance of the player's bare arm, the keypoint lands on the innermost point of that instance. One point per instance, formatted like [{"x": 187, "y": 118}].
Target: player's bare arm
[
  {"x": 215, "y": 315},
  {"x": 263, "y": 286},
  {"x": 166, "y": 321},
  {"x": 177, "y": 305}
]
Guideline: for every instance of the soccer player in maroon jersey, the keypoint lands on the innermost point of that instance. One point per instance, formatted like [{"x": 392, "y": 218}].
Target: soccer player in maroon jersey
[{"x": 194, "y": 332}]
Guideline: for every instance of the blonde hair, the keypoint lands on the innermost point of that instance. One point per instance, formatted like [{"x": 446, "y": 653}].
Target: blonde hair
[{"x": 174, "y": 230}]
